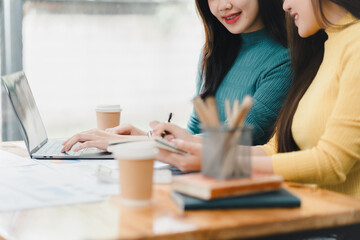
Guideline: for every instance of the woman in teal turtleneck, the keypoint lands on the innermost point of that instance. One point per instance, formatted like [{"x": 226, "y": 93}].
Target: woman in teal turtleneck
[{"x": 244, "y": 53}]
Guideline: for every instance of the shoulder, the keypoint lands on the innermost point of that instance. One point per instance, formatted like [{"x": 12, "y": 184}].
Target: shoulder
[
  {"x": 353, "y": 37},
  {"x": 346, "y": 36},
  {"x": 347, "y": 49},
  {"x": 264, "y": 54},
  {"x": 276, "y": 66},
  {"x": 353, "y": 29},
  {"x": 276, "y": 56},
  {"x": 350, "y": 42},
  {"x": 274, "y": 53}
]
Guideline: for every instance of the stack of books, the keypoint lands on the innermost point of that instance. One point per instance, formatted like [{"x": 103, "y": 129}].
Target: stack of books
[{"x": 195, "y": 191}]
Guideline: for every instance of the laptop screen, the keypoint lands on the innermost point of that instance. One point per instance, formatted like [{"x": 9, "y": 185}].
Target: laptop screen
[{"x": 25, "y": 108}]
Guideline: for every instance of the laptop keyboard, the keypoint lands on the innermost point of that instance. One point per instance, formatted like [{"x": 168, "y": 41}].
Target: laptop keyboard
[{"x": 53, "y": 148}]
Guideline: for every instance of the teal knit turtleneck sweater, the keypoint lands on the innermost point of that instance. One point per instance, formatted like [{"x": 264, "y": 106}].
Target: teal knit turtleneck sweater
[{"x": 261, "y": 69}]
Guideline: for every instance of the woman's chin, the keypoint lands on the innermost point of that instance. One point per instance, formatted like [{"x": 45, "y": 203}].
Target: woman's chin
[{"x": 306, "y": 33}]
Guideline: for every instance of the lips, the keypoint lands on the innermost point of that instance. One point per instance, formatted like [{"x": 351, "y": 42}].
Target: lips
[
  {"x": 295, "y": 16},
  {"x": 232, "y": 18}
]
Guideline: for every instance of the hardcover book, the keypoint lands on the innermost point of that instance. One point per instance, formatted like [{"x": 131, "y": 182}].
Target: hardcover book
[
  {"x": 199, "y": 186},
  {"x": 280, "y": 198}
]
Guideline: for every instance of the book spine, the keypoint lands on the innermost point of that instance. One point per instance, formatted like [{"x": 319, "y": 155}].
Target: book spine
[
  {"x": 250, "y": 189},
  {"x": 202, "y": 193}
]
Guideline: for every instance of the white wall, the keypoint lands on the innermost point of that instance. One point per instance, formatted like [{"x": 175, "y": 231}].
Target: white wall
[{"x": 146, "y": 63}]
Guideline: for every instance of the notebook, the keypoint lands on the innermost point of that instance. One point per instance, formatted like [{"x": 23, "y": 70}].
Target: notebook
[
  {"x": 134, "y": 143},
  {"x": 275, "y": 199},
  {"x": 32, "y": 127}
]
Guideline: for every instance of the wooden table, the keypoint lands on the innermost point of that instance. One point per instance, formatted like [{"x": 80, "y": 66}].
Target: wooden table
[{"x": 110, "y": 220}]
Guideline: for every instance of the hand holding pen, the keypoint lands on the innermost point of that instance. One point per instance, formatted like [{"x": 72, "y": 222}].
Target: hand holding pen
[
  {"x": 150, "y": 133},
  {"x": 171, "y": 131},
  {"x": 166, "y": 132}
]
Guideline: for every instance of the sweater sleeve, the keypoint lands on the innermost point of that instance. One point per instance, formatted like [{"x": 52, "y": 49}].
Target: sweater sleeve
[
  {"x": 270, "y": 148},
  {"x": 193, "y": 124},
  {"x": 339, "y": 147},
  {"x": 271, "y": 91}
]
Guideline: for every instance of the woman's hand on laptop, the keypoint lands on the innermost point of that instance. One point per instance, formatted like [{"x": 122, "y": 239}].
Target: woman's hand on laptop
[
  {"x": 126, "y": 129},
  {"x": 92, "y": 138}
]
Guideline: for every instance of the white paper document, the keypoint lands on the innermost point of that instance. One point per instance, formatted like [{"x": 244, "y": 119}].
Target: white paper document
[
  {"x": 27, "y": 183},
  {"x": 83, "y": 174},
  {"x": 37, "y": 186},
  {"x": 11, "y": 160}
]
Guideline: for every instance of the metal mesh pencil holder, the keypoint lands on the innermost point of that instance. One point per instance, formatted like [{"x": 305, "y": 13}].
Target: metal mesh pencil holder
[{"x": 226, "y": 152}]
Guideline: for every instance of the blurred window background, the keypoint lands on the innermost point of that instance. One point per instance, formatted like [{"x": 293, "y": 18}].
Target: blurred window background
[{"x": 141, "y": 54}]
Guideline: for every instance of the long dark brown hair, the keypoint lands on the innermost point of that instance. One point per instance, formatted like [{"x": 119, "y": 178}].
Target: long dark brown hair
[
  {"x": 306, "y": 56},
  {"x": 222, "y": 47}
]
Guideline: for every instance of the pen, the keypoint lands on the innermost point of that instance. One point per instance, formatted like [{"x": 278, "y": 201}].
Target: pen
[
  {"x": 170, "y": 116},
  {"x": 166, "y": 132}
]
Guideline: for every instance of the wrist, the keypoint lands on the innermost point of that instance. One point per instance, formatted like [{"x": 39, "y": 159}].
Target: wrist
[
  {"x": 262, "y": 164},
  {"x": 196, "y": 138}
]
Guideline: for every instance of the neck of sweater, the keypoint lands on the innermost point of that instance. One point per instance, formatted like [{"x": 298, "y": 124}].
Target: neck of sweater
[{"x": 253, "y": 38}]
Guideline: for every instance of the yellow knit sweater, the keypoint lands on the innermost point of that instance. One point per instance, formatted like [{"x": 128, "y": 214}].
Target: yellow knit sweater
[{"x": 326, "y": 124}]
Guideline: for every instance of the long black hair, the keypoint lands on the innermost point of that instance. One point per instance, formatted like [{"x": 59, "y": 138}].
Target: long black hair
[
  {"x": 306, "y": 56},
  {"x": 222, "y": 47}
]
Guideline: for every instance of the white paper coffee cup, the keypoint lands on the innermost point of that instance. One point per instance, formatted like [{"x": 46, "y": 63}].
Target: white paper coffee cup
[
  {"x": 108, "y": 116},
  {"x": 136, "y": 165}
]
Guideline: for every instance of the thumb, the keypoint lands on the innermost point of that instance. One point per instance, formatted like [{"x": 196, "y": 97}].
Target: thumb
[
  {"x": 189, "y": 147},
  {"x": 161, "y": 127}
]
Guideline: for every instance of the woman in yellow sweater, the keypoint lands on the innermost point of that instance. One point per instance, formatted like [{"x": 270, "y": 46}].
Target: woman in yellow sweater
[{"x": 317, "y": 138}]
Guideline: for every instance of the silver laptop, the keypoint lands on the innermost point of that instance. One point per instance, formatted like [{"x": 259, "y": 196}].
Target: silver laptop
[{"x": 32, "y": 127}]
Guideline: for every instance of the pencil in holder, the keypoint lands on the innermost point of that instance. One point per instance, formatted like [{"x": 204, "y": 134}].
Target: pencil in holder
[{"x": 226, "y": 152}]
